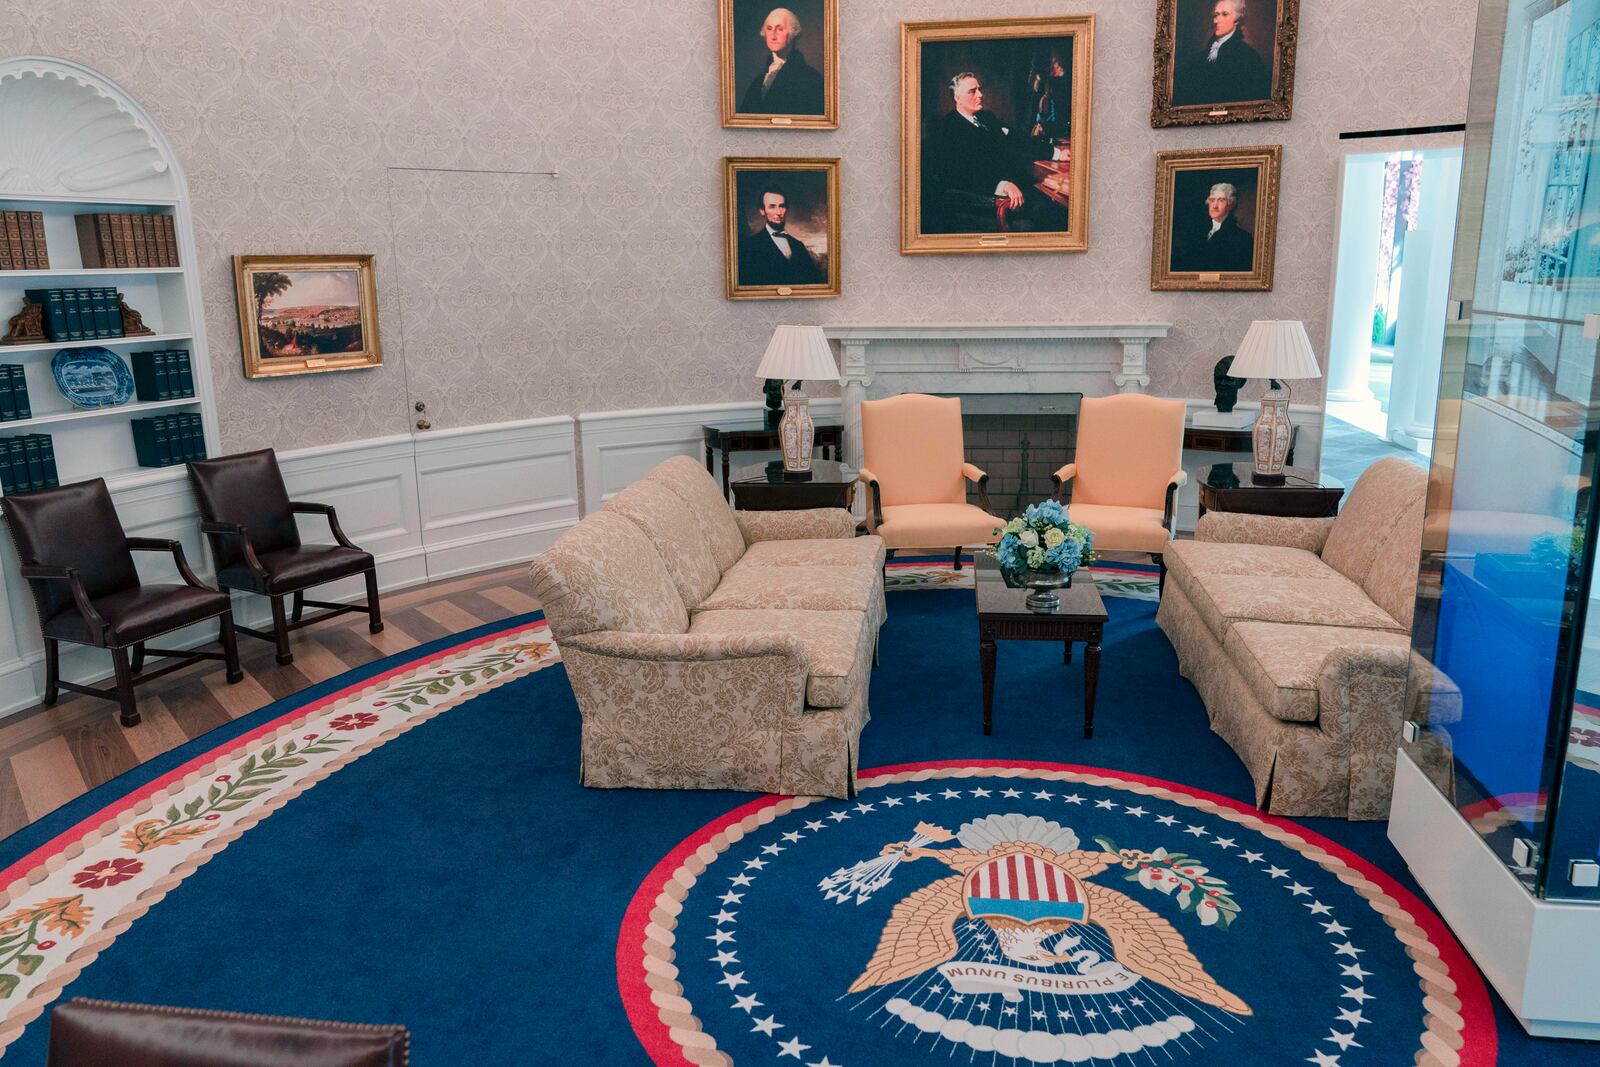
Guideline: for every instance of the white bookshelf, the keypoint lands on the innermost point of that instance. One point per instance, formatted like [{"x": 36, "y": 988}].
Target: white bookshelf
[{"x": 78, "y": 144}]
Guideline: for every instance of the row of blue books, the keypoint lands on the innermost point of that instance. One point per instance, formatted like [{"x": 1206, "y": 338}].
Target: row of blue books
[
  {"x": 166, "y": 374},
  {"x": 162, "y": 440},
  {"x": 27, "y": 463},
  {"x": 79, "y": 314},
  {"x": 13, "y": 393}
]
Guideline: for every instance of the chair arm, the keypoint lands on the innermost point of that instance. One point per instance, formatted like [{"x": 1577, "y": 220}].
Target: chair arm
[
  {"x": 1179, "y": 479},
  {"x": 166, "y": 544},
  {"x": 795, "y": 525},
  {"x": 874, "y": 505},
  {"x": 42, "y": 572},
  {"x": 1060, "y": 479},
  {"x": 303, "y": 508},
  {"x": 1285, "y": 532},
  {"x": 236, "y": 529},
  {"x": 972, "y": 473}
]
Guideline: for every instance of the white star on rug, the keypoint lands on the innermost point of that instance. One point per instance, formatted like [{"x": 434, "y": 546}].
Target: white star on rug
[
  {"x": 920, "y": 797},
  {"x": 771, "y": 850},
  {"x": 767, "y": 1025},
  {"x": 957, "y": 998},
  {"x": 1322, "y": 1059},
  {"x": 1347, "y": 949},
  {"x": 1008, "y": 1010},
  {"x": 723, "y": 958},
  {"x": 741, "y": 879},
  {"x": 791, "y": 1048},
  {"x": 1106, "y": 804},
  {"x": 725, "y": 916},
  {"x": 792, "y": 836},
  {"x": 1355, "y": 970},
  {"x": 1062, "y": 1014},
  {"x": 980, "y": 792},
  {"x": 1072, "y": 799},
  {"x": 1137, "y": 813},
  {"x": 815, "y": 825},
  {"x": 1011, "y": 793},
  {"x": 1338, "y": 929},
  {"x": 839, "y": 816},
  {"x": 1116, "y": 1009},
  {"x": 747, "y": 1004},
  {"x": 951, "y": 794},
  {"x": 824, "y": 1062},
  {"x": 1223, "y": 842},
  {"x": 1250, "y": 857},
  {"x": 721, "y": 936},
  {"x": 1042, "y": 795},
  {"x": 1038, "y": 1015},
  {"x": 1358, "y": 994},
  {"x": 1277, "y": 872},
  {"x": 754, "y": 865},
  {"x": 1166, "y": 820},
  {"x": 1344, "y": 1041},
  {"x": 891, "y": 802},
  {"x": 1091, "y": 1014},
  {"x": 1352, "y": 1017},
  {"x": 730, "y": 897},
  {"x": 983, "y": 1007},
  {"x": 1299, "y": 890},
  {"x": 1198, "y": 831},
  {"x": 863, "y": 808},
  {"x": 1318, "y": 908},
  {"x": 733, "y": 981}
]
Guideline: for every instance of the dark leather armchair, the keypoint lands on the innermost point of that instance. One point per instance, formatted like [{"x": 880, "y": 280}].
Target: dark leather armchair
[
  {"x": 84, "y": 1032},
  {"x": 78, "y": 563},
  {"x": 246, "y": 512}
]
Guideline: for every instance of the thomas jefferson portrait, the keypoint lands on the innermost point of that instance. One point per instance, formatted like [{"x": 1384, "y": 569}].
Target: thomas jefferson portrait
[
  {"x": 1216, "y": 216},
  {"x": 996, "y": 136},
  {"x": 781, "y": 232},
  {"x": 1227, "y": 58},
  {"x": 779, "y": 56},
  {"x": 1207, "y": 237}
]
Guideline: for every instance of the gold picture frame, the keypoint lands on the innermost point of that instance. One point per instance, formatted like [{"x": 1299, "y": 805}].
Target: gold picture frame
[
  {"x": 973, "y": 180},
  {"x": 1191, "y": 88},
  {"x": 1201, "y": 241},
  {"x": 803, "y": 91},
  {"x": 798, "y": 195},
  {"x": 320, "y": 312}
]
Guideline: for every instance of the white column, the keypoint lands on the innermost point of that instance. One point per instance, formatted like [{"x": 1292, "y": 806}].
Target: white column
[
  {"x": 1424, "y": 290},
  {"x": 1133, "y": 377},
  {"x": 853, "y": 372},
  {"x": 1356, "y": 278}
]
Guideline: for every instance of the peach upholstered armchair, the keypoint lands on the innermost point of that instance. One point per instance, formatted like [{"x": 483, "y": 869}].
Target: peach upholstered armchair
[
  {"x": 915, "y": 469},
  {"x": 1126, "y": 472}
]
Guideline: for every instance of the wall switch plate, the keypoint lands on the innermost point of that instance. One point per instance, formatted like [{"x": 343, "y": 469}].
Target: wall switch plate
[{"x": 1584, "y": 874}]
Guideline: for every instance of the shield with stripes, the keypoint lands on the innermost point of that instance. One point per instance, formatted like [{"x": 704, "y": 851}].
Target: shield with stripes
[{"x": 1025, "y": 889}]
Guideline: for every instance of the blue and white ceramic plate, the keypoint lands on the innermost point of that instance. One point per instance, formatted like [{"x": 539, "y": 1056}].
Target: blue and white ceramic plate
[{"x": 92, "y": 377}]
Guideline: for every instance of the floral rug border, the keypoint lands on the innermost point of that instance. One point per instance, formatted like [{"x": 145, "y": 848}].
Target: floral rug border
[{"x": 87, "y": 885}]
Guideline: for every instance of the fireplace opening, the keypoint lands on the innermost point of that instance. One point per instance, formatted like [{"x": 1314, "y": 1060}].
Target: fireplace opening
[{"x": 1020, "y": 440}]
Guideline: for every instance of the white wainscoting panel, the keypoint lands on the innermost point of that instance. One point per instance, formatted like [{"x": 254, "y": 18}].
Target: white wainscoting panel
[
  {"x": 428, "y": 506},
  {"x": 620, "y": 447}
]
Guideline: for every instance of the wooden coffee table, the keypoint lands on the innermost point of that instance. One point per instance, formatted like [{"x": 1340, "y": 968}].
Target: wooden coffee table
[{"x": 1002, "y": 616}]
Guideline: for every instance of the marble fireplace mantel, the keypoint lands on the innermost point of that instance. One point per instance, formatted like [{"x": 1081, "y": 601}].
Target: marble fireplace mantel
[{"x": 1095, "y": 359}]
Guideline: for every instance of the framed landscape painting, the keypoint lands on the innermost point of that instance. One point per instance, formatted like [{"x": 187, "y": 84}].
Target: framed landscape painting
[
  {"x": 1224, "y": 61},
  {"x": 781, "y": 227},
  {"x": 994, "y": 134},
  {"x": 306, "y": 314},
  {"x": 780, "y": 64},
  {"x": 1216, "y": 219}
]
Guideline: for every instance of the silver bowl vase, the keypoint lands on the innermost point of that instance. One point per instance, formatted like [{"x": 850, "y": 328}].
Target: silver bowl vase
[{"x": 1041, "y": 586}]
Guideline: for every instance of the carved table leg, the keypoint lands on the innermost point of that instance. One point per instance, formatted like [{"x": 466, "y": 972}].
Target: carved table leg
[
  {"x": 986, "y": 656},
  {"x": 1091, "y": 681},
  {"x": 1066, "y": 652}
]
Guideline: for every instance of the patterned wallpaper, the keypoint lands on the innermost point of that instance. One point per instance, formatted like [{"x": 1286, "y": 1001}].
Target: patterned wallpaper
[{"x": 513, "y": 295}]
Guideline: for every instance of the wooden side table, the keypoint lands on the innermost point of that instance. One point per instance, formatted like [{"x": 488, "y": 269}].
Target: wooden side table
[
  {"x": 1303, "y": 494},
  {"x": 1002, "y": 616},
  {"x": 832, "y": 485},
  {"x": 754, "y": 435},
  {"x": 1209, "y": 439}
]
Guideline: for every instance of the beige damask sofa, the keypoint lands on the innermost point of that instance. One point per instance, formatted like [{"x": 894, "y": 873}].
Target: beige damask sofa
[
  {"x": 714, "y": 649},
  {"x": 1296, "y": 632}
]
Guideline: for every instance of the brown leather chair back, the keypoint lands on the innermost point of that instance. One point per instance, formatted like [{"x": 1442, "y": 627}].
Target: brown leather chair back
[
  {"x": 246, "y": 489},
  {"x": 71, "y": 526},
  {"x": 84, "y": 1032}
]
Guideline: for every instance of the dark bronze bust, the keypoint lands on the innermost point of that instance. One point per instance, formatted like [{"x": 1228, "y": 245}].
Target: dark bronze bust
[{"x": 1227, "y": 387}]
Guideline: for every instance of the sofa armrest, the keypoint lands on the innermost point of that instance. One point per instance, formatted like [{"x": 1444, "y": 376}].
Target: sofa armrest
[
  {"x": 795, "y": 525},
  {"x": 1364, "y": 693},
  {"x": 1239, "y": 528}
]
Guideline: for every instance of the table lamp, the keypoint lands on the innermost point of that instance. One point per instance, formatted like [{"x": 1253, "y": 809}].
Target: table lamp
[
  {"x": 798, "y": 354},
  {"x": 1275, "y": 349}
]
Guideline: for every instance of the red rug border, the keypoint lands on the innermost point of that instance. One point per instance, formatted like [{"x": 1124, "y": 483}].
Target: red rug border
[{"x": 1480, "y": 1039}]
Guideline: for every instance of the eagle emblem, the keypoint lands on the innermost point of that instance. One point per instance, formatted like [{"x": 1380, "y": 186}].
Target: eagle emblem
[{"x": 1028, "y": 881}]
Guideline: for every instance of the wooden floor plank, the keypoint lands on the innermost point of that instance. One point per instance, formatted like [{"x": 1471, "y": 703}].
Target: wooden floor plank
[
  {"x": 101, "y": 750},
  {"x": 418, "y": 625},
  {"x": 13, "y": 813},
  {"x": 47, "y": 776},
  {"x": 157, "y": 731},
  {"x": 512, "y": 599},
  {"x": 194, "y": 708},
  {"x": 452, "y": 618}
]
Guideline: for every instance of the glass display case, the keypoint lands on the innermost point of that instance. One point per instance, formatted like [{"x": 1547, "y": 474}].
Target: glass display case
[{"x": 1510, "y": 743}]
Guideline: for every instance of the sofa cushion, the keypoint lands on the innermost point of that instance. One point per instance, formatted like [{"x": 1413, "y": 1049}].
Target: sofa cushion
[
  {"x": 1382, "y": 497},
  {"x": 604, "y": 574},
  {"x": 837, "y": 643},
  {"x": 1187, "y": 559},
  {"x": 1123, "y": 529},
  {"x": 814, "y": 552},
  {"x": 937, "y": 526},
  {"x": 1282, "y": 662},
  {"x": 796, "y": 588},
  {"x": 710, "y": 506},
  {"x": 1333, "y": 600},
  {"x": 663, "y": 517}
]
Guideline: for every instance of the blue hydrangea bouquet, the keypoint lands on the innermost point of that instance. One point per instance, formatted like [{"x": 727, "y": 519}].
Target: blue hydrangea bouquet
[{"x": 1042, "y": 548}]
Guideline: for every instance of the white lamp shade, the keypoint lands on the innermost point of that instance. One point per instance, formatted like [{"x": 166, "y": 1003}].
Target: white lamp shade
[
  {"x": 1275, "y": 348},
  {"x": 799, "y": 353}
]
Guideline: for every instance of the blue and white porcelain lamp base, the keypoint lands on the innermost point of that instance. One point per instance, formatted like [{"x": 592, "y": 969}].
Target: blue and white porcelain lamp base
[
  {"x": 797, "y": 436},
  {"x": 1270, "y": 437}
]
